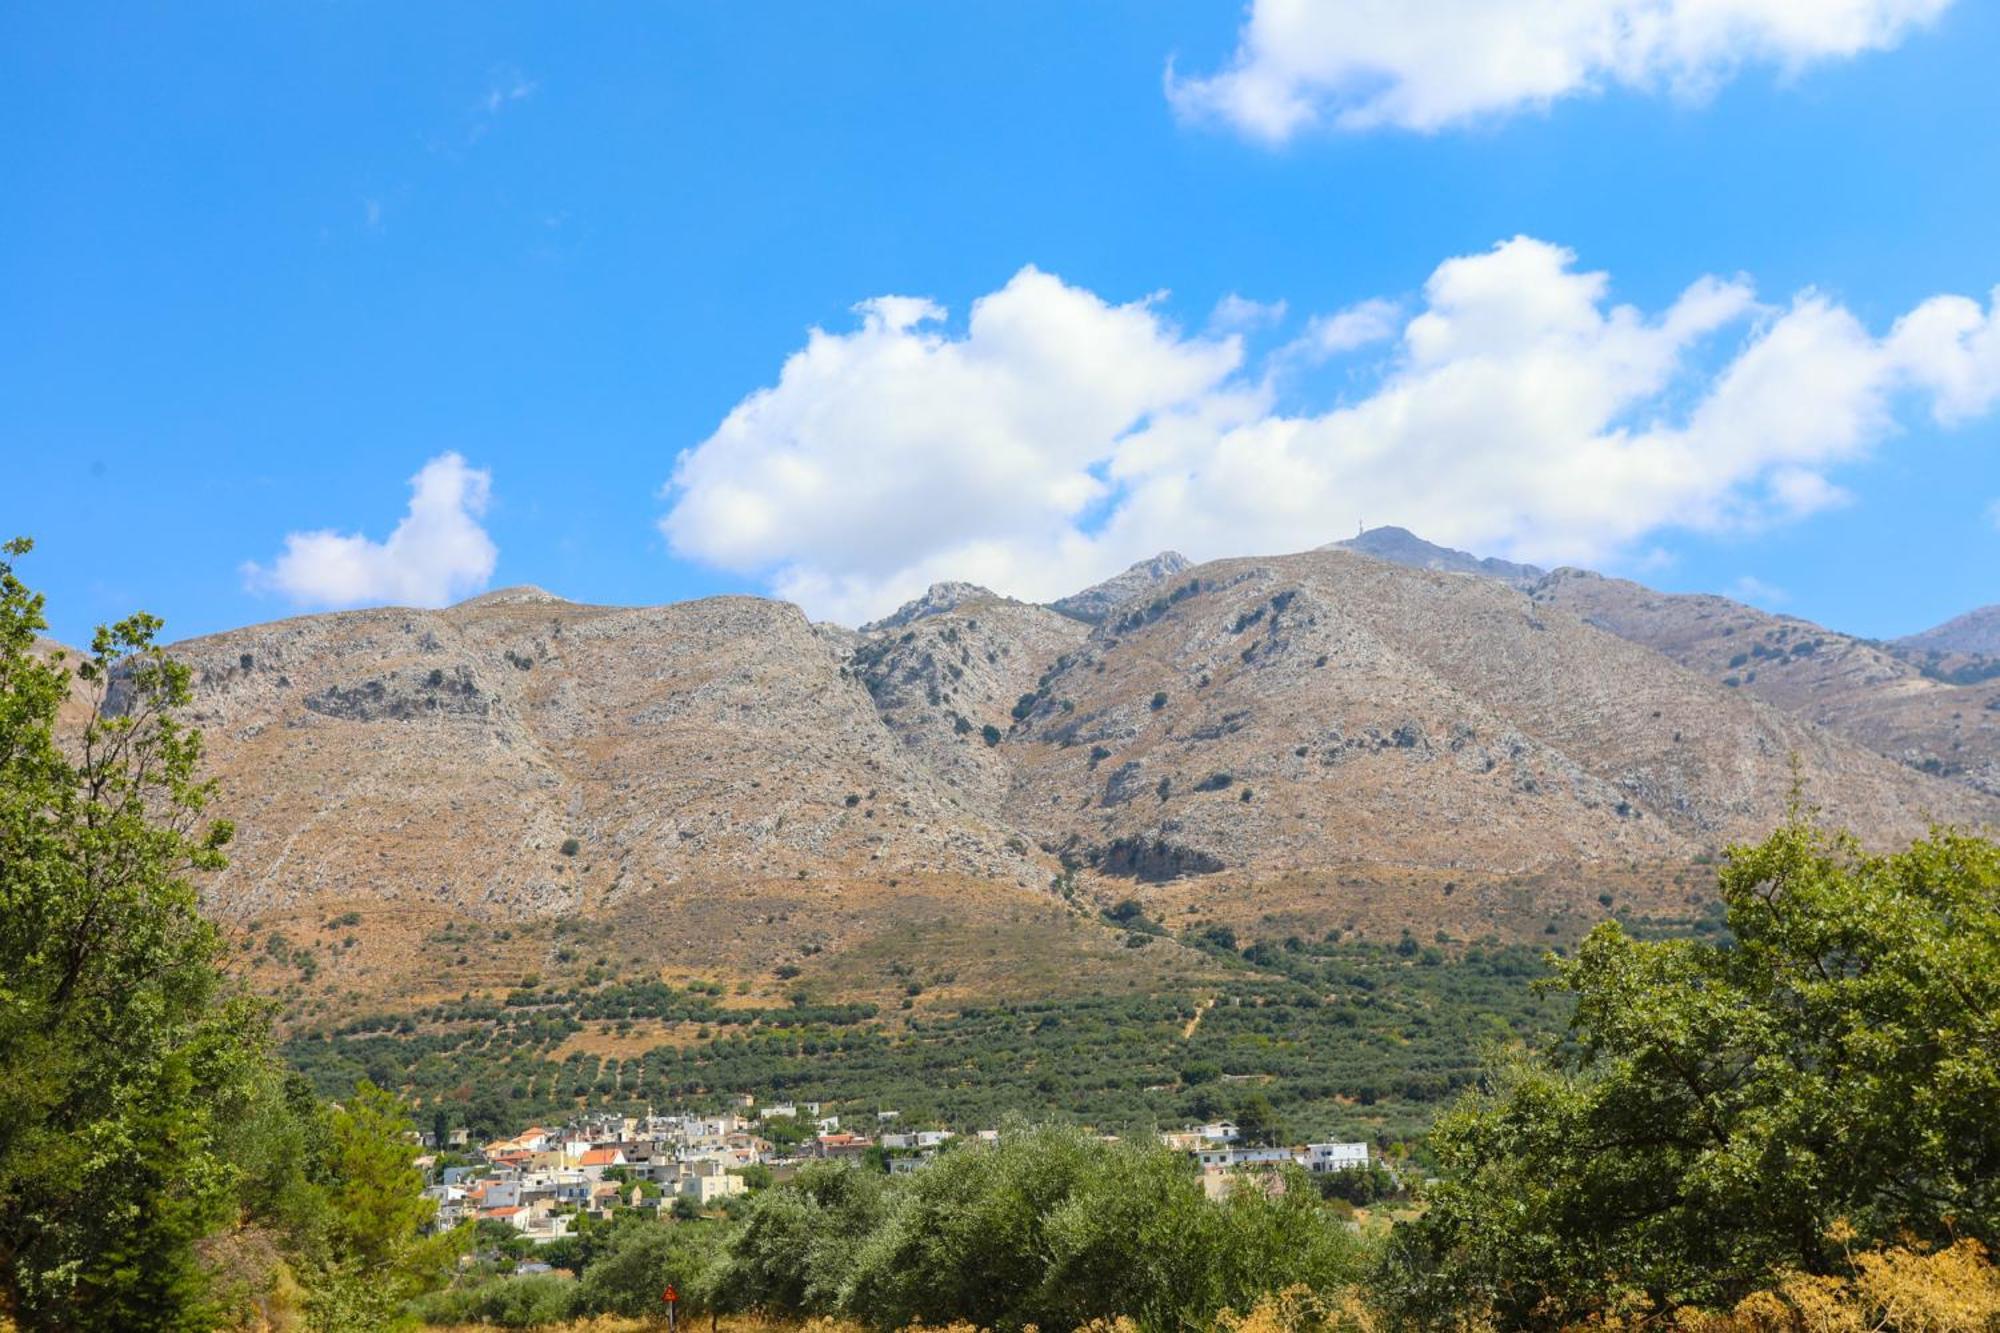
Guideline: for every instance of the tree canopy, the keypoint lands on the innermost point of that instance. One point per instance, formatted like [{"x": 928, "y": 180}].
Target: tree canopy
[
  {"x": 158, "y": 1169},
  {"x": 1827, "y": 1077}
]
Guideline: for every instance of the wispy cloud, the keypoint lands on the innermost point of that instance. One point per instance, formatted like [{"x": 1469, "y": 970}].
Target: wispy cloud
[
  {"x": 504, "y": 88},
  {"x": 1432, "y": 64},
  {"x": 1749, "y": 588}
]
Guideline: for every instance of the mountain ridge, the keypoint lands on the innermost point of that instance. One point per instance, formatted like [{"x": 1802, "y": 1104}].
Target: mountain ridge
[{"x": 720, "y": 788}]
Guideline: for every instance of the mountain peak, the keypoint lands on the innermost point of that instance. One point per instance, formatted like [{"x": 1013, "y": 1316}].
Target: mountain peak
[
  {"x": 1095, "y": 603},
  {"x": 938, "y": 599},
  {"x": 1402, "y": 547},
  {"x": 1976, "y": 633},
  {"x": 520, "y": 594}
]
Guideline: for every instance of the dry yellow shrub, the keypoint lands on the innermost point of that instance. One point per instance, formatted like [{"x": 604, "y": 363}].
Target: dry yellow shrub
[
  {"x": 1895, "y": 1290},
  {"x": 1302, "y": 1310}
]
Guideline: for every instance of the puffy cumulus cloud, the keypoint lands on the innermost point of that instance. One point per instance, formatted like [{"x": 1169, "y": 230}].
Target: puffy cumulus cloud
[
  {"x": 1429, "y": 64},
  {"x": 887, "y": 456},
  {"x": 438, "y": 554},
  {"x": 1513, "y": 408}
]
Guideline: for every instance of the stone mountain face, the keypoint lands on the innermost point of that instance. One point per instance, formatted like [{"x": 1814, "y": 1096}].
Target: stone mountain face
[
  {"x": 1889, "y": 699},
  {"x": 1317, "y": 739},
  {"x": 1974, "y": 634},
  {"x": 1280, "y": 714},
  {"x": 937, "y": 599},
  {"x": 1930, "y": 701},
  {"x": 1093, "y": 604},
  {"x": 713, "y": 765}
]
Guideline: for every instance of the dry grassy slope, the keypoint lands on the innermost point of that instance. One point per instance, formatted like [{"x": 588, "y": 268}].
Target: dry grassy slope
[
  {"x": 1846, "y": 685},
  {"x": 719, "y": 789},
  {"x": 1383, "y": 715},
  {"x": 713, "y": 763},
  {"x": 75, "y": 710}
]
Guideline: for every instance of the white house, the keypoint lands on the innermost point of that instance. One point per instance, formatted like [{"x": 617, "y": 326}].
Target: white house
[
  {"x": 1231, "y": 1159},
  {"x": 1221, "y": 1131},
  {"x": 1336, "y": 1156}
]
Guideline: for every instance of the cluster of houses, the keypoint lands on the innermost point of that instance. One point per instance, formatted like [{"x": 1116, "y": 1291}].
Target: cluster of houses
[
  {"x": 540, "y": 1180},
  {"x": 1225, "y": 1160}
]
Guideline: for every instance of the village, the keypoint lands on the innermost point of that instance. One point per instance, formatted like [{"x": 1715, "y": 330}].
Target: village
[{"x": 681, "y": 1165}]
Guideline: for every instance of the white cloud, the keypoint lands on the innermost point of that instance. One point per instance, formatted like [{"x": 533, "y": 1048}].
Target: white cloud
[
  {"x": 1993, "y": 514},
  {"x": 1750, "y": 588},
  {"x": 1241, "y": 314},
  {"x": 1328, "y": 336},
  {"x": 1515, "y": 410},
  {"x": 438, "y": 554},
  {"x": 891, "y": 455},
  {"x": 1428, "y": 64}
]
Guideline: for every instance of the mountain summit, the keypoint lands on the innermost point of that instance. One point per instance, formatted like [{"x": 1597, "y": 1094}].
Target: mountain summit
[
  {"x": 1094, "y": 603},
  {"x": 1400, "y": 546},
  {"x": 1976, "y": 634}
]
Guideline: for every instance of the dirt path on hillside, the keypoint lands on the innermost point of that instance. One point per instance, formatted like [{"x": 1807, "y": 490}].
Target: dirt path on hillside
[{"x": 1195, "y": 1022}]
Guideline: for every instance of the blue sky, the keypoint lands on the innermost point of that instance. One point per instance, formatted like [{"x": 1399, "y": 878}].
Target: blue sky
[{"x": 263, "y": 263}]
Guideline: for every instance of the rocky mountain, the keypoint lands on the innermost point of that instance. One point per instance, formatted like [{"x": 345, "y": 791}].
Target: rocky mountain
[
  {"x": 1974, "y": 634},
  {"x": 1930, "y": 701},
  {"x": 719, "y": 788},
  {"x": 1095, "y": 603},
  {"x": 937, "y": 599},
  {"x": 1402, "y": 547},
  {"x": 1883, "y": 697}
]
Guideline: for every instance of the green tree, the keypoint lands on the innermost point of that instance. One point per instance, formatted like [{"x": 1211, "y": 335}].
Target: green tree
[
  {"x": 795, "y": 1250},
  {"x": 1724, "y": 1107},
  {"x": 1258, "y": 1121},
  {"x": 158, "y": 1169},
  {"x": 126, "y": 1065},
  {"x": 1055, "y": 1228},
  {"x": 378, "y": 1258},
  {"x": 642, "y": 1261}
]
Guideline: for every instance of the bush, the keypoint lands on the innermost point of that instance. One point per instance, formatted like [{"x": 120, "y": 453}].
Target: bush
[
  {"x": 528, "y": 1301},
  {"x": 1055, "y": 1228},
  {"x": 1725, "y": 1109},
  {"x": 642, "y": 1260}
]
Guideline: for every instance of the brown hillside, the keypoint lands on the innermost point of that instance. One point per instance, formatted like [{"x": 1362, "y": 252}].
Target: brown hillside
[
  {"x": 719, "y": 789},
  {"x": 1880, "y": 698}
]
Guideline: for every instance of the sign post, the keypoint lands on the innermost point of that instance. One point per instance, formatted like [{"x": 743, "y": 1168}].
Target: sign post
[{"x": 671, "y": 1297}]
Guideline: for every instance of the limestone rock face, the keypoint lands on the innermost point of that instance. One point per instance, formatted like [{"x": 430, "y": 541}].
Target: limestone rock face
[
  {"x": 1938, "y": 714},
  {"x": 1142, "y": 580},
  {"x": 1325, "y": 708},
  {"x": 1322, "y": 739}
]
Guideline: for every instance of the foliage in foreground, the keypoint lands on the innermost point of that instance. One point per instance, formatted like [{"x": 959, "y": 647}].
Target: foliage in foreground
[
  {"x": 158, "y": 1169},
  {"x": 1735, "y": 1115},
  {"x": 1052, "y": 1228}
]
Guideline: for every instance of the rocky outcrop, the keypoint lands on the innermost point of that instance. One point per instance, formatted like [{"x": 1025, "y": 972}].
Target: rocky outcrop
[{"x": 1095, "y": 604}]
